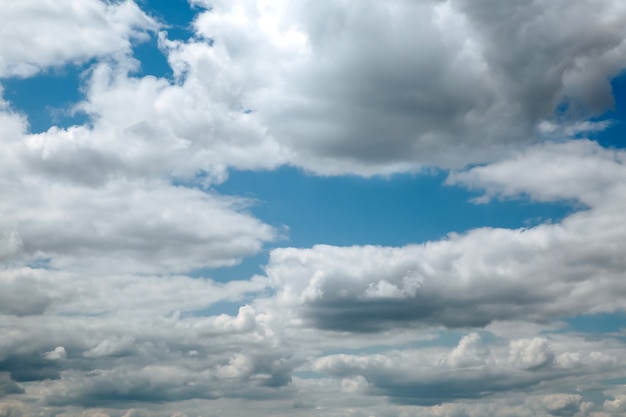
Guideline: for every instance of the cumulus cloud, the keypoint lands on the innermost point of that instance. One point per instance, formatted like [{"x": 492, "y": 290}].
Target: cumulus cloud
[
  {"x": 59, "y": 353},
  {"x": 531, "y": 353},
  {"x": 373, "y": 87},
  {"x": 535, "y": 274},
  {"x": 469, "y": 352}
]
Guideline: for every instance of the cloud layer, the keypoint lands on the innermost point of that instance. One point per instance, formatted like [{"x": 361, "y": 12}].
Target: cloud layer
[{"x": 109, "y": 229}]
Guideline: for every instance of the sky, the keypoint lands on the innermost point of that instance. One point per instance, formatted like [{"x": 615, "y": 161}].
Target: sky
[{"x": 348, "y": 208}]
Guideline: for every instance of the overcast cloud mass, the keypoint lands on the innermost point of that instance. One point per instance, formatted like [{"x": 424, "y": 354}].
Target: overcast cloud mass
[{"x": 114, "y": 234}]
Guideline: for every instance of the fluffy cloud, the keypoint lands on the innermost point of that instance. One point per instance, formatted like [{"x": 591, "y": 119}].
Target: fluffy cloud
[
  {"x": 42, "y": 34},
  {"x": 352, "y": 87},
  {"x": 74, "y": 207},
  {"x": 372, "y": 87},
  {"x": 579, "y": 171},
  {"x": 531, "y": 353},
  {"x": 130, "y": 227}
]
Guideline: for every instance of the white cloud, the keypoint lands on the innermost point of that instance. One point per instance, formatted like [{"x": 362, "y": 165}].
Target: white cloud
[
  {"x": 42, "y": 34},
  {"x": 58, "y": 353},
  {"x": 579, "y": 170},
  {"x": 470, "y": 352},
  {"x": 531, "y": 353},
  {"x": 83, "y": 200},
  {"x": 130, "y": 226}
]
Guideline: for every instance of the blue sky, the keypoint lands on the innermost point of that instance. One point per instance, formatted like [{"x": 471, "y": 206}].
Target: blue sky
[{"x": 409, "y": 208}]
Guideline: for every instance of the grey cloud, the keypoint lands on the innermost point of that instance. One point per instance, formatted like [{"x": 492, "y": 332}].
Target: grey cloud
[
  {"x": 145, "y": 354},
  {"x": 551, "y": 52},
  {"x": 84, "y": 166},
  {"x": 12, "y": 409},
  {"x": 445, "y": 386},
  {"x": 8, "y": 385},
  {"x": 427, "y": 308},
  {"x": 120, "y": 387},
  {"x": 471, "y": 370},
  {"x": 123, "y": 386},
  {"x": 563, "y": 405},
  {"x": 21, "y": 299},
  {"x": 372, "y": 87},
  {"x": 10, "y": 243},
  {"x": 355, "y": 87}
]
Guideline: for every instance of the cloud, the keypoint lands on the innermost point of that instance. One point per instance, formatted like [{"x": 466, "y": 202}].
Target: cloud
[
  {"x": 7, "y": 386},
  {"x": 153, "y": 384},
  {"x": 470, "y": 352},
  {"x": 59, "y": 353},
  {"x": 125, "y": 356},
  {"x": 531, "y": 353},
  {"x": 470, "y": 370},
  {"x": 564, "y": 404},
  {"x": 76, "y": 208},
  {"x": 38, "y": 35},
  {"x": 580, "y": 171},
  {"x": 261, "y": 85},
  {"x": 131, "y": 226},
  {"x": 535, "y": 274},
  {"x": 10, "y": 243},
  {"x": 369, "y": 87},
  {"x": 106, "y": 218}
]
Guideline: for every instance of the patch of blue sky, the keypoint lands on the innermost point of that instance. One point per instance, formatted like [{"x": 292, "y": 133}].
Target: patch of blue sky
[
  {"x": 246, "y": 269},
  {"x": 47, "y": 99},
  {"x": 394, "y": 211},
  {"x": 176, "y": 15},
  {"x": 598, "y": 323},
  {"x": 152, "y": 60},
  {"x": 41, "y": 263},
  {"x": 348, "y": 210}
]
